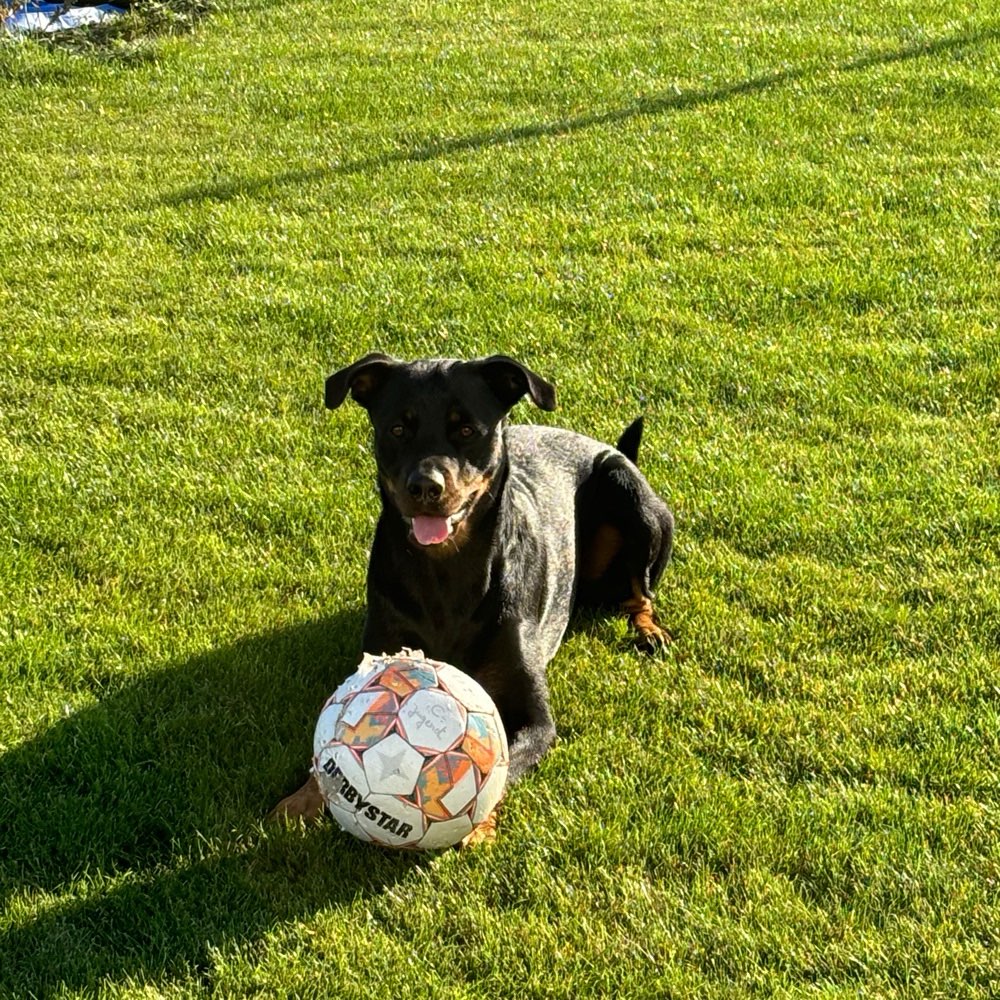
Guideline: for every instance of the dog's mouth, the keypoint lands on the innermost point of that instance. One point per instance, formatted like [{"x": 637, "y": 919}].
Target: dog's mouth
[{"x": 434, "y": 529}]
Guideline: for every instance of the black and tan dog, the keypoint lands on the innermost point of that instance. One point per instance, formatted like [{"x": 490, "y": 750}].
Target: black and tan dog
[{"x": 491, "y": 533}]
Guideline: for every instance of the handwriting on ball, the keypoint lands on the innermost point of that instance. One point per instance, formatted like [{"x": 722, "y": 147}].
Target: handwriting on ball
[{"x": 433, "y": 718}]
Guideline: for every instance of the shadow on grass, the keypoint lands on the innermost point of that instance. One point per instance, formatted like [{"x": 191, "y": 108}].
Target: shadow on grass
[
  {"x": 649, "y": 106},
  {"x": 142, "y": 811}
]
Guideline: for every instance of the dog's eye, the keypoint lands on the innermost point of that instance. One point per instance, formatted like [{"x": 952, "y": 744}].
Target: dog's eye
[
  {"x": 466, "y": 431},
  {"x": 397, "y": 430}
]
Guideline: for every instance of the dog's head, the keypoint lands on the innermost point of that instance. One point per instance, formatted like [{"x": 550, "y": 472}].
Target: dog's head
[{"x": 437, "y": 424}]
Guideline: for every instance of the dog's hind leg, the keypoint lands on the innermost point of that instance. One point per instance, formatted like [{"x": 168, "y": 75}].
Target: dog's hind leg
[
  {"x": 650, "y": 635},
  {"x": 627, "y": 537}
]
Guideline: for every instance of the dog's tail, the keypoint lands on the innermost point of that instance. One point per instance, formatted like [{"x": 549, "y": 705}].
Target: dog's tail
[{"x": 628, "y": 443}]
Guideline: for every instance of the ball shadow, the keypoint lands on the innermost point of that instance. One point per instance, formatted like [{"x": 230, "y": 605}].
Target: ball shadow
[{"x": 140, "y": 815}]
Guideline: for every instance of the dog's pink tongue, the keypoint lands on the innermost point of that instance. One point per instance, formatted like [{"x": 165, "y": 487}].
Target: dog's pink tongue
[{"x": 430, "y": 530}]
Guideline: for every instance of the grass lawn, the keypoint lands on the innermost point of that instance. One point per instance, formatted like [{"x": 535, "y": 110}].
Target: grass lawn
[{"x": 773, "y": 228}]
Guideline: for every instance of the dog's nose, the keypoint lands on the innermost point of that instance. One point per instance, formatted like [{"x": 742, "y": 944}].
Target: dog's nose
[{"x": 425, "y": 485}]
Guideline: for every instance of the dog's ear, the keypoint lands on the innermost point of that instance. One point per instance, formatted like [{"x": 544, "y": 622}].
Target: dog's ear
[
  {"x": 362, "y": 379},
  {"x": 510, "y": 380}
]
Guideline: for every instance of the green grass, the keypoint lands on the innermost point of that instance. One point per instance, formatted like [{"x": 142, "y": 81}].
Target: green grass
[{"x": 774, "y": 228}]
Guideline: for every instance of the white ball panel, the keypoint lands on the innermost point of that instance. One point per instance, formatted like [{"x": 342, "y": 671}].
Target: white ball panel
[
  {"x": 326, "y": 725},
  {"x": 391, "y": 822},
  {"x": 491, "y": 793},
  {"x": 392, "y": 766},
  {"x": 468, "y": 691},
  {"x": 445, "y": 832},
  {"x": 343, "y": 772},
  {"x": 461, "y": 794},
  {"x": 432, "y": 720},
  {"x": 347, "y": 821}
]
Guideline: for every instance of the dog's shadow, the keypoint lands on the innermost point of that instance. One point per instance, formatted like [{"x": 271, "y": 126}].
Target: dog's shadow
[{"x": 130, "y": 837}]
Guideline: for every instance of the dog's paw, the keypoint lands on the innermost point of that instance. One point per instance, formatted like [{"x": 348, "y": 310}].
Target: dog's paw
[
  {"x": 652, "y": 638},
  {"x": 305, "y": 805},
  {"x": 485, "y": 833}
]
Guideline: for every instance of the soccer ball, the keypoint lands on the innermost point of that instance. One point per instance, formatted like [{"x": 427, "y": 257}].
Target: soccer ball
[{"x": 410, "y": 753}]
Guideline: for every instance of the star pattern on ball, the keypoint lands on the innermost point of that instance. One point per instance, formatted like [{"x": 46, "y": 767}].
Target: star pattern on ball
[{"x": 392, "y": 764}]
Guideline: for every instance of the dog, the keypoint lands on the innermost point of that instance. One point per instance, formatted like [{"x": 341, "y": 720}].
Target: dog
[{"x": 491, "y": 533}]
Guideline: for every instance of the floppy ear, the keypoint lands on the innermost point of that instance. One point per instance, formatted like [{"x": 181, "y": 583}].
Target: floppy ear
[
  {"x": 510, "y": 380},
  {"x": 362, "y": 379}
]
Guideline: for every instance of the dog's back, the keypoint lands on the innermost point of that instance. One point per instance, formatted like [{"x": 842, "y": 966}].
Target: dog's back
[
  {"x": 558, "y": 506},
  {"x": 538, "y": 527}
]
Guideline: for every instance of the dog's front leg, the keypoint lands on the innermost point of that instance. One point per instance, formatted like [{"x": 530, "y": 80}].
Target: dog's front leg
[
  {"x": 530, "y": 729},
  {"x": 514, "y": 676},
  {"x": 530, "y": 743},
  {"x": 306, "y": 804}
]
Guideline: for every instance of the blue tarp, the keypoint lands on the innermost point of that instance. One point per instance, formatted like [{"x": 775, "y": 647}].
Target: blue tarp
[{"x": 49, "y": 17}]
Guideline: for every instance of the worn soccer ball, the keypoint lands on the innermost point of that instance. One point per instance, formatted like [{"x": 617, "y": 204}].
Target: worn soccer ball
[{"x": 410, "y": 753}]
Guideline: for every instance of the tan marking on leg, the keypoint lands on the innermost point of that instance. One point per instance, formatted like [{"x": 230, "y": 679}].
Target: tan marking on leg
[{"x": 639, "y": 609}]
